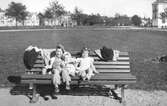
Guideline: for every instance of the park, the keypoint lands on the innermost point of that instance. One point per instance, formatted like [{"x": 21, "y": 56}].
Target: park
[
  {"x": 142, "y": 45},
  {"x": 135, "y": 29}
]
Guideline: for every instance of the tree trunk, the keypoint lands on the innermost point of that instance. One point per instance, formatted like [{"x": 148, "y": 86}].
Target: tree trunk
[{"x": 23, "y": 22}]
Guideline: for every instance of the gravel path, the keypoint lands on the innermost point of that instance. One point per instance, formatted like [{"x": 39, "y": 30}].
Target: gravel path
[{"x": 133, "y": 98}]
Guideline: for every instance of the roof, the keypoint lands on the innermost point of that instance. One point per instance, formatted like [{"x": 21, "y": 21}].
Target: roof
[{"x": 159, "y": 1}]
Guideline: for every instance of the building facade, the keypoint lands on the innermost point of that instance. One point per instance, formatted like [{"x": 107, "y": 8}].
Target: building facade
[
  {"x": 5, "y": 21},
  {"x": 157, "y": 8},
  {"x": 34, "y": 20},
  {"x": 64, "y": 20}
]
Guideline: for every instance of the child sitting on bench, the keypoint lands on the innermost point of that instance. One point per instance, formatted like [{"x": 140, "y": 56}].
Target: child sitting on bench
[
  {"x": 58, "y": 66},
  {"x": 85, "y": 67},
  {"x": 69, "y": 64}
]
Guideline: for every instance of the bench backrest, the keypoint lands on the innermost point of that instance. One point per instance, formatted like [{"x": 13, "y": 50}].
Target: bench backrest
[{"x": 110, "y": 72}]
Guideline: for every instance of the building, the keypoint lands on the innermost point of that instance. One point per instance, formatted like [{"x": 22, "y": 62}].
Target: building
[
  {"x": 64, "y": 20},
  {"x": 5, "y": 21},
  {"x": 157, "y": 8},
  {"x": 32, "y": 20},
  {"x": 146, "y": 22}
]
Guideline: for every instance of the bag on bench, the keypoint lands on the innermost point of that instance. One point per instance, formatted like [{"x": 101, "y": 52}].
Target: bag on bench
[{"x": 105, "y": 54}]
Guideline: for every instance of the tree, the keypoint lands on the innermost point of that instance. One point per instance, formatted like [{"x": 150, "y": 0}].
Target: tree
[
  {"x": 94, "y": 19},
  {"x": 117, "y": 15},
  {"x": 163, "y": 14},
  {"x": 77, "y": 16},
  {"x": 41, "y": 19},
  {"x": 121, "y": 20},
  {"x": 48, "y": 14},
  {"x": 55, "y": 10},
  {"x": 17, "y": 11},
  {"x": 1, "y": 10},
  {"x": 136, "y": 20}
]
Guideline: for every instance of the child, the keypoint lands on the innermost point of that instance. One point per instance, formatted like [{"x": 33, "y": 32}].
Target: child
[
  {"x": 58, "y": 65},
  {"x": 69, "y": 63},
  {"x": 85, "y": 66}
]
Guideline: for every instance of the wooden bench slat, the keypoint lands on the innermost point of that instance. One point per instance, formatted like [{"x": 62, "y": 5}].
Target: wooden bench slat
[
  {"x": 112, "y": 62},
  {"x": 93, "y": 53},
  {"x": 47, "y": 81},
  {"x": 113, "y": 77},
  {"x": 35, "y": 70},
  {"x": 110, "y": 67},
  {"x": 73, "y": 53},
  {"x": 38, "y": 61},
  {"x": 83, "y": 82},
  {"x": 97, "y": 66},
  {"x": 38, "y": 66},
  {"x": 96, "y": 77},
  {"x": 97, "y": 58},
  {"x": 24, "y": 76},
  {"x": 113, "y": 70},
  {"x": 119, "y": 58},
  {"x": 99, "y": 70},
  {"x": 105, "y": 82}
]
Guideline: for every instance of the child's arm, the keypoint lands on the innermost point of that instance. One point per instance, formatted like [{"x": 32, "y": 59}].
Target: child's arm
[
  {"x": 77, "y": 61},
  {"x": 93, "y": 67},
  {"x": 51, "y": 62}
]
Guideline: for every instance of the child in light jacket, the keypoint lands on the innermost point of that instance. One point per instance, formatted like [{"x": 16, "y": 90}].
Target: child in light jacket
[{"x": 85, "y": 67}]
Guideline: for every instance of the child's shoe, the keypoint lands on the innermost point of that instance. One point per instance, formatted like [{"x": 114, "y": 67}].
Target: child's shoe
[
  {"x": 68, "y": 87},
  {"x": 88, "y": 77},
  {"x": 57, "y": 90}
]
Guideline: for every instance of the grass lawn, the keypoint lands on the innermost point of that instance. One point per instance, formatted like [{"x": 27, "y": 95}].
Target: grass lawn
[{"x": 142, "y": 45}]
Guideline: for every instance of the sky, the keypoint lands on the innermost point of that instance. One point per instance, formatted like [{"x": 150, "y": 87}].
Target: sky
[{"x": 142, "y": 8}]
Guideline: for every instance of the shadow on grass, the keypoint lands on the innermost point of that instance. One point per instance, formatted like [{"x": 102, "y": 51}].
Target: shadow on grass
[
  {"x": 47, "y": 90},
  {"x": 14, "y": 79}
]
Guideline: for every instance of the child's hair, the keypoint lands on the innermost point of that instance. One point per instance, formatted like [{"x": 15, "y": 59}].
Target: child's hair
[
  {"x": 85, "y": 49},
  {"x": 60, "y": 46}
]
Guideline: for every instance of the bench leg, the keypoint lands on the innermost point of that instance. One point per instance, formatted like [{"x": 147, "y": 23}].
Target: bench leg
[
  {"x": 35, "y": 97},
  {"x": 122, "y": 95},
  {"x": 118, "y": 93}
]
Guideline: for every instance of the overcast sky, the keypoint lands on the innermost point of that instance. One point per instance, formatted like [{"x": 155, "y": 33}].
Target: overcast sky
[{"x": 104, "y": 7}]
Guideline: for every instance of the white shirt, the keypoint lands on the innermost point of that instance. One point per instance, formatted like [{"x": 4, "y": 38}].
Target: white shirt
[{"x": 85, "y": 63}]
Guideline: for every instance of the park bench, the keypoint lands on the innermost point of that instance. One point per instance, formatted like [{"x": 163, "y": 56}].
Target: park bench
[{"x": 115, "y": 73}]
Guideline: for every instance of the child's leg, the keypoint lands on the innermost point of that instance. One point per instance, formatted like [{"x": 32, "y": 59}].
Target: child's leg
[
  {"x": 66, "y": 78},
  {"x": 56, "y": 79},
  {"x": 93, "y": 68},
  {"x": 44, "y": 71},
  {"x": 89, "y": 73},
  {"x": 82, "y": 74}
]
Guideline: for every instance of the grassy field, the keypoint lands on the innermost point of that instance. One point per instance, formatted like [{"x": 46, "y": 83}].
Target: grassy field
[{"x": 142, "y": 45}]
